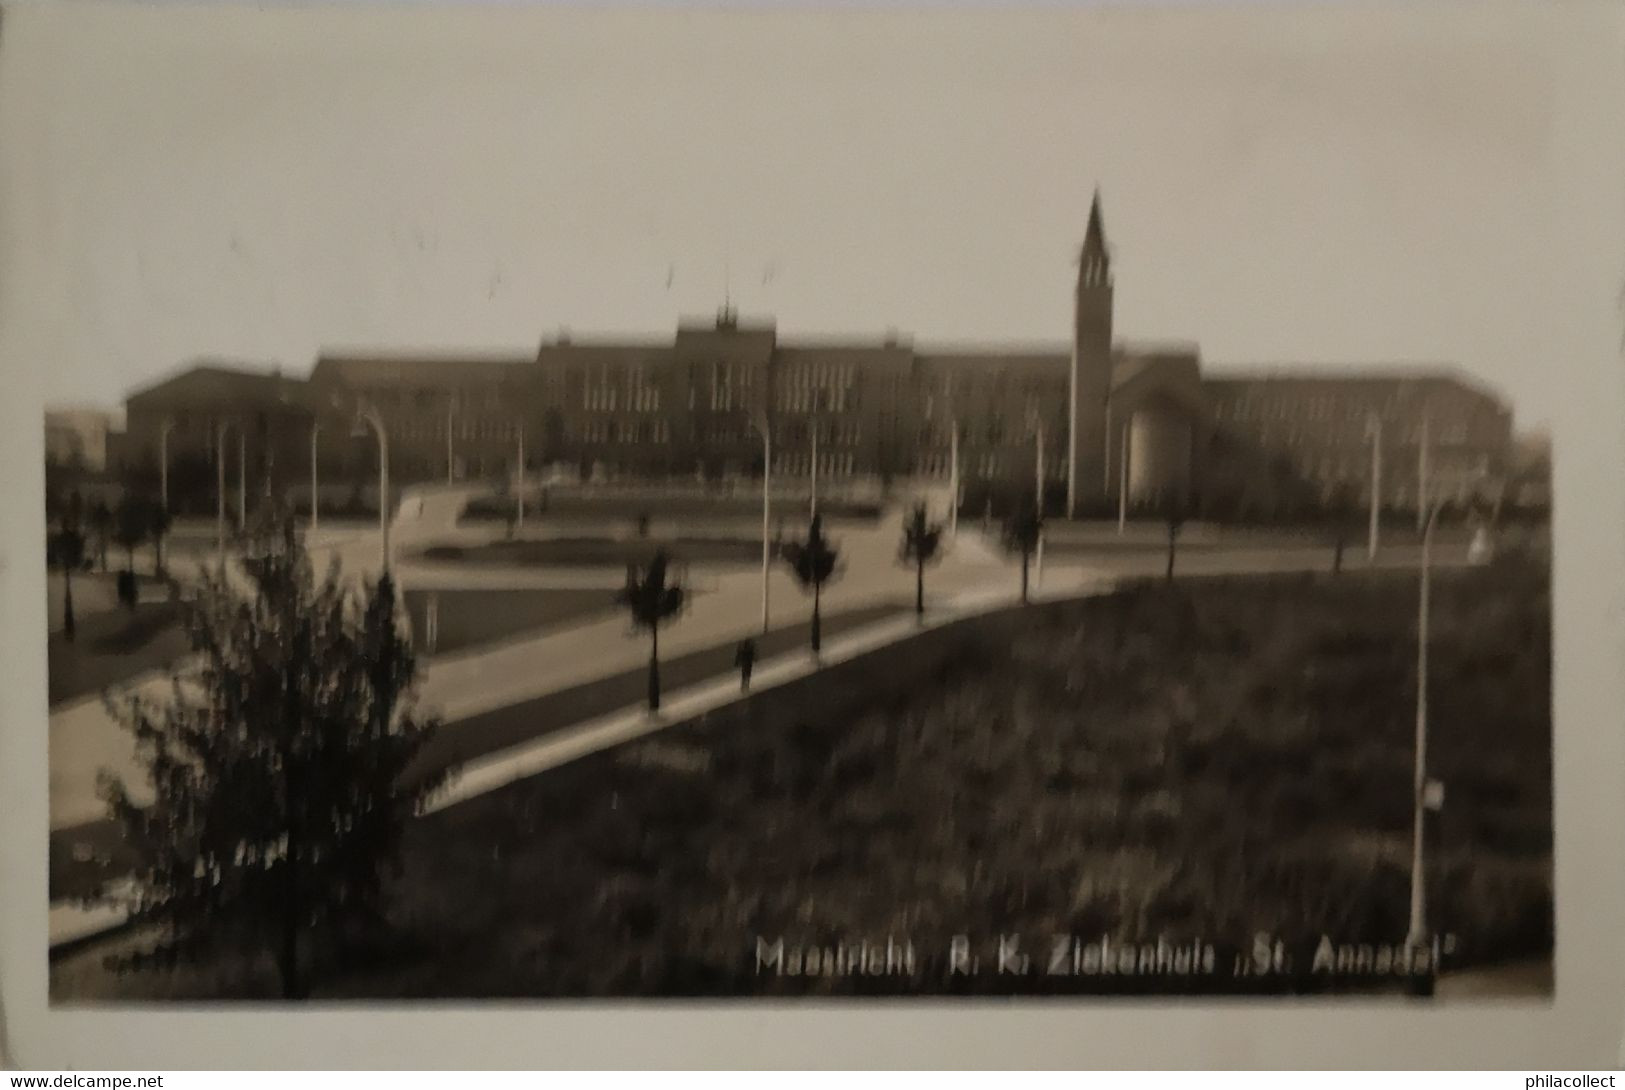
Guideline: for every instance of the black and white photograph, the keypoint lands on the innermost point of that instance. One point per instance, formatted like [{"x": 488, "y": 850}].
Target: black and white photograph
[{"x": 757, "y": 505}]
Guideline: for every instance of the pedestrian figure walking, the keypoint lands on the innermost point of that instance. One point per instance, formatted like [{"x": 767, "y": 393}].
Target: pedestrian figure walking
[{"x": 745, "y": 659}]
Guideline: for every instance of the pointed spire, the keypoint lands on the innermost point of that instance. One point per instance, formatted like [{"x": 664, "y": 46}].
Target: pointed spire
[{"x": 1095, "y": 260}]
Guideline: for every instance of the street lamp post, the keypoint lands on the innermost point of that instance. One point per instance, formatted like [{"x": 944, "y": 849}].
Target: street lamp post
[
  {"x": 767, "y": 549},
  {"x": 1374, "y": 432},
  {"x": 519, "y": 481},
  {"x": 163, "y": 461},
  {"x": 1038, "y": 508},
  {"x": 812, "y": 504},
  {"x": 315, "y": 485},
  {"x": 1416, "y": 936},
  {"x": 1422, "y": 476},
  {"x": 762, "y": 426},
  {"x": 220, "y": 485},
  {"x": 1122, "y": 482},
  {"x": 953, "y": 481},
  {"x": 451, "y": 412},
  {"x": 369, "y": 417}
]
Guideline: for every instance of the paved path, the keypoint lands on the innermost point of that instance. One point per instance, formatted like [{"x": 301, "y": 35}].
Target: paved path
[{"x": 494, "y": 770}]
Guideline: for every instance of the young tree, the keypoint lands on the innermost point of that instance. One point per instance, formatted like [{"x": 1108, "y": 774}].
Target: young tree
[
  {"x": 1021, "y": 533},
  {"x": 158, "y": 523},
  {"x": 1176, "y": 522},
  {"x": 132, "y": 521},
  {"x": 65, "y": 549},
  {"x": 814, "y": 560},
  {"x": 279, "y": 769},
  {"x": 921, "y": 545},
  {"x": 100, "y": 523},
  {"x": 1342, "y": 507},
  {"x": 652, "y": 599}
]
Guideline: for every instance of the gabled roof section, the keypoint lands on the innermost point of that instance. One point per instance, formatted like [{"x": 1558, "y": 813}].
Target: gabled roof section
[
  {"x": 211, "y": 383},
  {"x": 1173, "y": 372}
]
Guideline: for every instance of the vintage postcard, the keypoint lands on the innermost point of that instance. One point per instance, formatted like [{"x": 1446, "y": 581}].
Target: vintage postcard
[{"x": 858, "y": 506}]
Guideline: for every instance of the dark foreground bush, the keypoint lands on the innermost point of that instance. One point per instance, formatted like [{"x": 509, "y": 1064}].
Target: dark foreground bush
[{"x": 1209, "y": 761}]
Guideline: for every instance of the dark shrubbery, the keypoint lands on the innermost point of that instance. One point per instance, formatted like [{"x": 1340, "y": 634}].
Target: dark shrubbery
[{"x": 1211, "y": 758}]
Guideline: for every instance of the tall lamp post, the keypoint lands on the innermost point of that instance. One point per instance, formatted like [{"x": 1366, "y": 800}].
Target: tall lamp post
[
  {"x": 761, "y": 425},
  {"x": 220, "y": 484},
  {"x": 1422, "y": 475},
  {"x": 812, "y": 504},
  {"x": 1373, "y": 430},
  {"x": 519, "y": 480},
  {"x": 953, "y": 481},
  {"x": 1122, "y": 480},
  {"x": 1038, "y": 507},
  {"x": 1416, "y": 935},
  {"x": 315, "y": 484},
  {"x": 451, "y": 413},
  {"x": 163, "y": 460},
  {"x": 366, "y": 417}
]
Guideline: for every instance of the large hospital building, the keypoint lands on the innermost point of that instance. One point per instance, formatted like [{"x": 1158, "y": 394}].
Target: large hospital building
[{"x": 1116, "y": 418}]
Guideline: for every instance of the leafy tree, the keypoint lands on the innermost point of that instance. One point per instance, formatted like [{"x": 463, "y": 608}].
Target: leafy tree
[
  {"x": 1021, "y": 532},
  {"x": 652, "y": 599},
  {"x": 131, "y": 523},
  {"x": 158, "y": 523},
  {"x": 921, "y": 545},
  {"x": 814, "y": 560},
  {"x": 65, "y": 549},
  {"x": 279, "y": 769},
  {"x": 99, "y": 521}
]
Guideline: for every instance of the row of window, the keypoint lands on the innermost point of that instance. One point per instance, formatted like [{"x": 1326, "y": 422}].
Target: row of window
[
  {"x": 626, "y": 431},
  {"x": 432, "y": 398},
  {"x": 829, "y": 465},
  {"x": 461, "y": 428},
  {"x": 1317, "y": 410}
]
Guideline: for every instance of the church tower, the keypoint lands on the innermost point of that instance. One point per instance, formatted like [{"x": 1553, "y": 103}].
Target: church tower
[{"x": 1091, "y": 374}]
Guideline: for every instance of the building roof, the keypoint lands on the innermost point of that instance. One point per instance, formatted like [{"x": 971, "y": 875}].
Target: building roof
[
  {"x": 381, "y": 369},
  {"x": 214, "y": 383},
  {"x": 995, "y": 360},
  {"x": 1353, "y": 375}
]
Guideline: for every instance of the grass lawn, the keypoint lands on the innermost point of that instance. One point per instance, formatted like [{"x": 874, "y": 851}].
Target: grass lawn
[
  {"x": 600, "y": 551},
  {"x": 112, "y": 646},
  {"x": 1201, "y": 761},
  {"x": 468, "y": 618}
]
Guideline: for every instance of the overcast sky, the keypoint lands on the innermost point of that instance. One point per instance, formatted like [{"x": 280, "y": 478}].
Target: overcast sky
[{"x": 1322, "y": 185}]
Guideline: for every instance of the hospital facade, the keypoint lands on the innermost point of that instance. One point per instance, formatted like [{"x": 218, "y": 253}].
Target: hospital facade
[{"x": 1111, "y": 420}]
